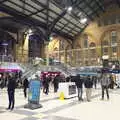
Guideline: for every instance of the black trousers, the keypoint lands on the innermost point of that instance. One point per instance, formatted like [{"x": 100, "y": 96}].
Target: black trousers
[
  {"x": 103, "y": 89},
  {"x": 11, "y": 99},
  {"x": 55, "y": 87},
  {"x": 80, "y": 92},
  {"x": 46, "y": 89},
  {"x": 25, "y": 92}
]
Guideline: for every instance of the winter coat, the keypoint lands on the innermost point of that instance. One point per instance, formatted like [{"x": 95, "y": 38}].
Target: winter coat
[
  {"x": 78, "y": 81},
  {"x": 88, "y": 83}
]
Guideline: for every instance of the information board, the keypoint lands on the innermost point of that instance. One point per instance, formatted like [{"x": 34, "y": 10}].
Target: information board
[
  {"x": 34, "y": 91},
  {"x": 72, "y": 89}
]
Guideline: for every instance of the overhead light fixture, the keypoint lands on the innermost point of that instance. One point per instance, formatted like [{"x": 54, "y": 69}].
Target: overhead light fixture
[
  {"x": 83, "y": 20},
  {"x": 80, "y": 13},
  {"x": 69, "y": 9},
  {"x": 29, "y": 31},
  {"x": 51, "y": 38},
  {"x": 5, "y": 44}
]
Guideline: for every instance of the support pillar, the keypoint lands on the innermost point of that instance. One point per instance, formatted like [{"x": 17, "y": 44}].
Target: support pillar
[
  {"x": 73, "y": 58},
  {"x": 47, "y": 53}
]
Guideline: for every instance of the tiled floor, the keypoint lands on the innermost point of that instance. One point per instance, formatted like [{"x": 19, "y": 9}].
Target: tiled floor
[{"x": 68, "y": 109}]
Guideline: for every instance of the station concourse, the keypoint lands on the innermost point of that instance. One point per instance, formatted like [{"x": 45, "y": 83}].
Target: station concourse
[{"x": 53, "y": 44}]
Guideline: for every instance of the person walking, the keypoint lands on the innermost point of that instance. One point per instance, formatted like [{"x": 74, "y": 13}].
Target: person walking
[
  {"x": 11, "y": 91},
  {"x": 46, "y": 84},
  {"x": 105, "y": 82},
  {"x": 88, "y": 85},
  {"x": 79, "y": 84},
  {"x": 56, "y": 83},
  {"x": 25, "y": 86},
  {"x": 94, "y": 79}
]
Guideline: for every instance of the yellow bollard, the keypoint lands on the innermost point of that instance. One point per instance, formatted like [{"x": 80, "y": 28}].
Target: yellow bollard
[{"x": 61, "y": 96}]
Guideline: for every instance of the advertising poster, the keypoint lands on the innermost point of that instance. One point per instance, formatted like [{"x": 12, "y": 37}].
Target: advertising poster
[{"x": 34, "y": 91}]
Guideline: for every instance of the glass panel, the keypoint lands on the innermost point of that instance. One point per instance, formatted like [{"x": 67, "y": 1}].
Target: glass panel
[
  {"x": 86, "y": 41},
  {"x": 113, "y": 37}
]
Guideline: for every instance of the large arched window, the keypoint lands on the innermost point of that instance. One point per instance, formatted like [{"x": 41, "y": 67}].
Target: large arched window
[{"x": 92, "y": 44}]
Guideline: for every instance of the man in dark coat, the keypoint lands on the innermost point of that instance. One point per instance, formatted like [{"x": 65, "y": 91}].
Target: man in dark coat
[
  {"x": 88, "y": 85},
  {"x": 11, "y": 91},
  {"x": 25, "y": 86},
  {"x": 79, "y": 84},
  {"x": 56, "y": 82}
]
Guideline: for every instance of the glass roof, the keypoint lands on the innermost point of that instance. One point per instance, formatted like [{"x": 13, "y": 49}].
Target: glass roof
[{"x": 53, "y": 15}]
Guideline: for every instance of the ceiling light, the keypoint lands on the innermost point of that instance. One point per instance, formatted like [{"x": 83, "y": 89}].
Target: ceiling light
[
  {"x": 83, "y": 20},
  {"x": 29, "y": 31},
  {"x": 50, "y": 38},
  {"x": 69, "y": 9}
]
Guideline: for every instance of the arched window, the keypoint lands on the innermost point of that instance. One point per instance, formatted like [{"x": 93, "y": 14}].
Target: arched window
[{"x": 92, "y": 44}]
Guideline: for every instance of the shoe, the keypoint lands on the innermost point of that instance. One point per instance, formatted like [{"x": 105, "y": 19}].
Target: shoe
[
  {"x": 11, "y": 109},
  {"x": 81, "y": 99},
  {"x": 88, "y": 100},
  {"x": 7, "y": 108}
]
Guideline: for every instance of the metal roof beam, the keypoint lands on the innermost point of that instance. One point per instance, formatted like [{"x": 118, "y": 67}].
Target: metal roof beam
[
  {"x": 36, "y": 12},
  {"x": 101, "y": 7},
  {"x": 64, "y": 26},
  {"x": 2, "y": 1},
  {"x": 47, "y": 20},
  {"x": 92, "y": 9},
  {"x": 57, "y": 19},
  {"x": 31, "y": 13},
  {"x": 19, "y": 17},
  {"x": 85, "y": 13},
  {"x": 51, "y": 16},
  {"x": 41, "y": 4},
  {"x": 72, "y": 14}
]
